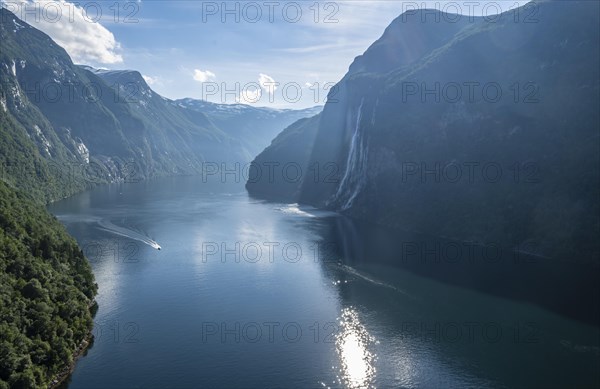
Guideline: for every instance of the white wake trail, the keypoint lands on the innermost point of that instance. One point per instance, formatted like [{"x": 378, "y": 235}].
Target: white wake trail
[
  {"x": 354, "y": 272},
  {"x": 106, "y": 225}
]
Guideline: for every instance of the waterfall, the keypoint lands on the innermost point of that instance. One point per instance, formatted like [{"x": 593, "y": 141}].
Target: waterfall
[{"x": 356, "y": 164}]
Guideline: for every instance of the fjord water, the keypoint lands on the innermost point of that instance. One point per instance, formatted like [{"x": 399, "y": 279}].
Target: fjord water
[{"x": 247, "y": 293}]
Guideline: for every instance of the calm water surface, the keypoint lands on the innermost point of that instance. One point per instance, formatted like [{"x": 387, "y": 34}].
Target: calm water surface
[{"x": 247, "y": 293}]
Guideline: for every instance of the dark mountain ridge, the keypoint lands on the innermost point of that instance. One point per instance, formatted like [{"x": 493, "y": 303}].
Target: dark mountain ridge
[
  {"x": 486, "y": 132},
  {"x": 387, "y": 134}
]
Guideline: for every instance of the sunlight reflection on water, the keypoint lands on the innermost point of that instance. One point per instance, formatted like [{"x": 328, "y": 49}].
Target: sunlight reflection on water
[{"x": 353, "y": 342}]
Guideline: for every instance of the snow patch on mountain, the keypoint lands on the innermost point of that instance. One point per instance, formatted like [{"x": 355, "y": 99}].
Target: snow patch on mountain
[
  {"x": 207, "y": 107},
  {"x": 17, "y": 26},
  {"x": 17, "y": 102},
  {"x": 83, "y": 151},
  {"x": 45, "y": 143}
]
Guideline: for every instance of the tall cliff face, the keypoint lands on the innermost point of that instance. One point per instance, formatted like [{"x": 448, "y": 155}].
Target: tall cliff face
[
  {"x": 408, "y": 39},
  {"x": 483, "y": 131}
]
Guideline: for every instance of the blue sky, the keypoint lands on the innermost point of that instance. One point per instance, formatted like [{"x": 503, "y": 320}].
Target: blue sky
[{"x": 267, "y": 53}]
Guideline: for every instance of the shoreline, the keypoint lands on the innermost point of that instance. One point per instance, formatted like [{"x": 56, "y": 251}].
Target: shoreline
[
  {"x": 68, "y": 370},
  {"x": 81, "y": 348}
]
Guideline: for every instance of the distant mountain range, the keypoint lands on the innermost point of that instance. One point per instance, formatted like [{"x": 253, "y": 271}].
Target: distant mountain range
[
  {"x": 67, "y": 127},
  {"x": 475, "y": 129},
  {"x": 254, "y": 126}
]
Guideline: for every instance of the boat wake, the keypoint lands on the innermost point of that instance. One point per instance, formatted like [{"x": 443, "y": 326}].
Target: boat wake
[
  {"x": 107, "y": 226},
  {"x": 294, "y": 209},
  {"x": 365, "y": 277},
  {"x": 305, "y": 211}
]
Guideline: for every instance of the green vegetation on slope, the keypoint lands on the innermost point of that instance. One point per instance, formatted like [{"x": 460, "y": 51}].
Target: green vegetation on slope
[
  {"x": 23, "y": 168},
  {"x": 46, "y": 289}
]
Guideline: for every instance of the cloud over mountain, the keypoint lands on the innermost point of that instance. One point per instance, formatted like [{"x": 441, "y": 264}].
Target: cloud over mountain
[{"x": 73, "y": 27}]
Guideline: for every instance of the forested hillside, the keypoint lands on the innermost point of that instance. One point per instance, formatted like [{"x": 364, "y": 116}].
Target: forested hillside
[{"x": 46, "y": 290}]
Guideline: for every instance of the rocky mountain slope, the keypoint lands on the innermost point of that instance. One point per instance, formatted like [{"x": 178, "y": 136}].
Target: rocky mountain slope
[
  {"x": 67, "y": 127},
  {"x": 480, "y": 130}
]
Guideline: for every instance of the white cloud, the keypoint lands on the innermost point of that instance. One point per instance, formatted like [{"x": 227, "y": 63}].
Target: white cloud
[
  {"x": 249, "y": 96},
  {"x": 311, "y": 49},
  {"x": 203, "y": 76},
  {"x": 267, "y": 83},
  {"x": 150, "y": 80},
  {"x": 69, "y": 25}
]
